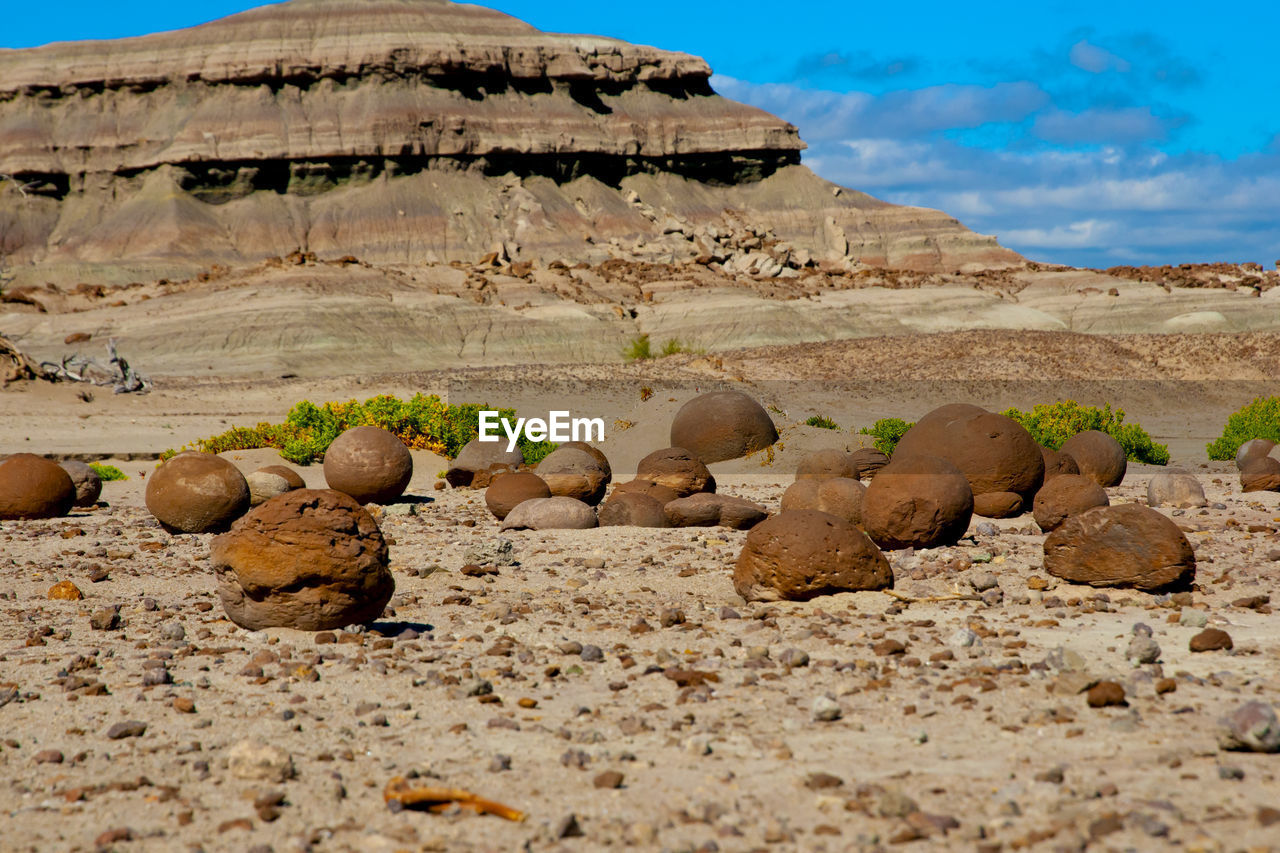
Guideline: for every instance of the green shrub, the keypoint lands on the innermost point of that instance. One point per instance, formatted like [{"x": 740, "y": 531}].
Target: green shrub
[
  {"x": 423, "y": 422},
  {"x": 1259, "y": 419},
  {"x": 822, "y": 422},
  {"x": 888, "y": 432},
  {"x": 638, "y": 349},
  {"x": 107, "y": 472},
  {"x": 1052, "y": 424}
]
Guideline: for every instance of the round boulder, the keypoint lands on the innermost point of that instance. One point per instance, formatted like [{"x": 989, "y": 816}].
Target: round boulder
[
  {"x": 705, "y": 509},
  {"x": 1260, "y": 474},
  {"x": 1126, "y": 545},
  {"x": 677, "y": 469},
  {"x": 824, "y": 464},
  {"x": 1176, "y": 488},
  {"x": 1254, "y": 448},
  {"x": 662, "y": 494},
  {"x": 292, "y": 477},
  {"x": 596, "y": 454},
  {"x": 311, "y": 559},
  {"x": 1098, "y": 456},
  {"x": 998, "y": 504},
  {"x": 553, "y": 513},
  {"x": 368, "y": 463},
  {"x": 481, "y": 457},
  {"x": 917, "y": 502},
  {"x": 838, "y": 496},
  {"x": 575, "y": 473},
  {"x": 86, "y": 481},
  {"x": 722, "y": 425},
  {"x": 1064, "y": 496},
  {"x": 994, "y": 452},
  {"x": 1056, "y": 462},
  {"x": 632, "y": 509},
  {"x": 867, "y": 462},
  {"x": 33, "y": 487},
  {"x": 798, "y": 555},
  {"x": 508, "y": 491},
  {"x": 263, "y": 486},
  {"x": 197, "y": 493}
]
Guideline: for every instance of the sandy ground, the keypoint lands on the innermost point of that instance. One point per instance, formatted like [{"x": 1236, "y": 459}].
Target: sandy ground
[{"x": 534, "y": 685}]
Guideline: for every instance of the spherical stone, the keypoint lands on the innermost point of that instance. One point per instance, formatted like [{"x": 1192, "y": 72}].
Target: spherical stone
[
  {"x": 1126, "y": 545},
  {"x": 575, "y": 473},
  {"x": 1105, "y": 694},
  {"x": 824, "y": 464},
  {"x": 705, "y": 509},
  {"x": 722, "y": 425},
  {"x": 994, "y": 452},
  {"x": 917, "y": 502},
  {"x": 87, "y": 483},
  {"x": 838, "y": 496},
  {"x": 263, "y": 486},
  {"x": 33, "y": 487},
  {"x": 197, "y": 493},
  {"x": 311, "y": 559},
  {"x": 795, "y": 556},
  {"x": 1064, "y": 496},
  {"x": 1098, "y": 456},
  {"x": 1056, "y": 462},
  {"x": 368, "y": 463},
  {"x": 662, "y": 494},
  {"x": 952, "y": 410},
  {"x": 677, "y": 469},
  {"x": 867, "y": 462},
  {"x": 596, "y": 454},
  {"x": 479, "y": 456},
  {"x": 1260, "y": 474},
  {"x": 508, "y": 491},
  {"x": 553, "y": 513},
  {"x": 292, "y": 477},
  {"x": 998, "y": 504},
  {"x": 632, "y": 509},
  {"x": 1254, "y": 448},
  {"x": 1176, "y": 488}
]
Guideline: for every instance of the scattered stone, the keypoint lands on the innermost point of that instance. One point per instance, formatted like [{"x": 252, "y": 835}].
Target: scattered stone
[
  {"x": 1105, "y": 694},
  {"x": 705, "y": 509},
  {"x": 1252, "y": 727},
  {"x": 65, "y": 591},
  {"x": 197, "y": 493},
  {"x": 1254, "y": 448},
  {"x": 608, "y": 780},
  {"x": 258, "y": 761},
  {"x": 87, "y": 483},
  {"x": 263, "y": 486},
  {"x": 554, "y": 513},
  {"x": 633, "y": 509},
  {"x": 1211, "y": 640},
  {"x": 825, "y": 709},
  {"x": 1175, "y": 487},
  {"x": 1098, "y": 456},
  {"x": 722, "y": 425},
  {"x": 105, "y": 619},
  {"x": 799, "y": 555},
  {"x": 128, "y": 728},
  {"x": 492, "y": 552},
  {"x": 1143, "y": 649},
  {"x": 369, "y": 464},
  {"x": 292, "y": 477},
  {"x": 33, "y": 487},
  {"x": 1125, "y": 545},
  {"x": 1260, "y": 474}
]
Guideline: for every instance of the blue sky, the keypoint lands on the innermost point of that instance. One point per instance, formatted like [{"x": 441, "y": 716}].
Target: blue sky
[{"x": 1079, "y": 132}]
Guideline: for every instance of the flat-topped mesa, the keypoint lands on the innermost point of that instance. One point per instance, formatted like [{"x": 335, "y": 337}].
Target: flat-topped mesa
[{"x": 403, "y": 131}]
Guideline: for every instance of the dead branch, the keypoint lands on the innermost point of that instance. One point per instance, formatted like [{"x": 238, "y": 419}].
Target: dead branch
[
  {"x": 14, "y": 364},
  {"x": 954, "y": 595},
  {"x": 117, "y": 373}
]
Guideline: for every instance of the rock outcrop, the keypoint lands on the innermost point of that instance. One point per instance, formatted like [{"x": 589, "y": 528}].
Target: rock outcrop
[{"x": 411, "y": 131}]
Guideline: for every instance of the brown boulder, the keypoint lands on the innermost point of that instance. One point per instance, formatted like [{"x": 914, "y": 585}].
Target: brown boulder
[
  {"x": 197, "y": 493},
  {"x": 575, "y": 473},
  {"x": 1211, "y": 640},
  {"x": 705, "y": 509},
  {"x": 662, "y": 494},
  {"x": 596, "y": 454},
  {"x": 292, "y": 477},
  {"x": 1056, "y": 462},
  {"x": 508, "y": 491},
  {"x": 722, "y": 425},
  {"x": 798, "y": 555},
  {"x": 1125, "y": 545},
  {"x": 998, "y": 504},
  {"x": 1175, "y": 487},
  {"x": 1254, "y": 448},
  {"x": 1064, "y": 496},
  {"x": 633, "y": 509},
  {"x": 554, "y": 513},
  {"x": 86, "y": 481},
  {"x": 917, "y": 502},
  {"x": 1260, "y": 474},
  {"x": 33, "y": 487},
  {"x": 1098, "y": 456},
  {"x": 481, "y": 456},
  {"x": 994, "y": 452},
  {"x": 838, "y": 496},
  {"x": 311, "y": 559},
  {"x": 368, "y": 463},
  {"x": 824, "y": 464},
  {"x": 677, "y": 469},
  {"x": 867, "y": 462}
]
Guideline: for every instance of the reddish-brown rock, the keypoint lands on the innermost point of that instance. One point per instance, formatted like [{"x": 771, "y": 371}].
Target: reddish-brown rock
[
  {"x": 632, "y": 509},
  {"x": 678, "y": 469},
  {"x": 33, "y": 487},
  {"x": 867, "y": 462},
  {"x": 1260, "y": 474},
  {"x": 795, "y": 556},
  {"x": 575, "y": 473},
  {"x": 481, "y": 458},
  {"x": 705, "y": 509},
  {"x": 722, "y": 425},
  {"x": 1056, "y": 462},
  {"x": 1122, "y": 546},
  {"x": 508, "y": 491},
  {"x": 823, "y": 464},
  {"x": 998, "y": 504},
  {"x": 86, "y": 480},
  {"x": 1098, "y": 456},
  {"x": 311, "y": 559},
  {"x": 197, "y": 493},
  {"x": 994, "y": 452},
  {"x": 1254, "y": 448},
  {"x": 1064, "y": 496},
  {"x": 838, "y": 496},
  {"x": 368, "y": 463},
  {"x": 1211, "y": 640},
  {"x": 662, "y": 494},
  {"x": 917, "y": 502},
  {"x": 1105, "y": 694}
]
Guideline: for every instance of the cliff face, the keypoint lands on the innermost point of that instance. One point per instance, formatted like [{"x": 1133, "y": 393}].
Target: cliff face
[{"x": 405, "y": 131}]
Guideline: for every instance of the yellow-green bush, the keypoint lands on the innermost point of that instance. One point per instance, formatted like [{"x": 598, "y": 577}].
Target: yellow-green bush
[
  {"x": 1259, "y": 419},
  {"x": 1052, "y": 424}
]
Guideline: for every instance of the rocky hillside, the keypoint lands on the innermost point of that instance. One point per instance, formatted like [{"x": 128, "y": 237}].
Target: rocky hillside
[{"x": 411, "y": 131}]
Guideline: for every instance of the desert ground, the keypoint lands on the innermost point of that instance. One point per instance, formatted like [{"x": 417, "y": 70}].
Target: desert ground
[{"x": 609, "y": 683}]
